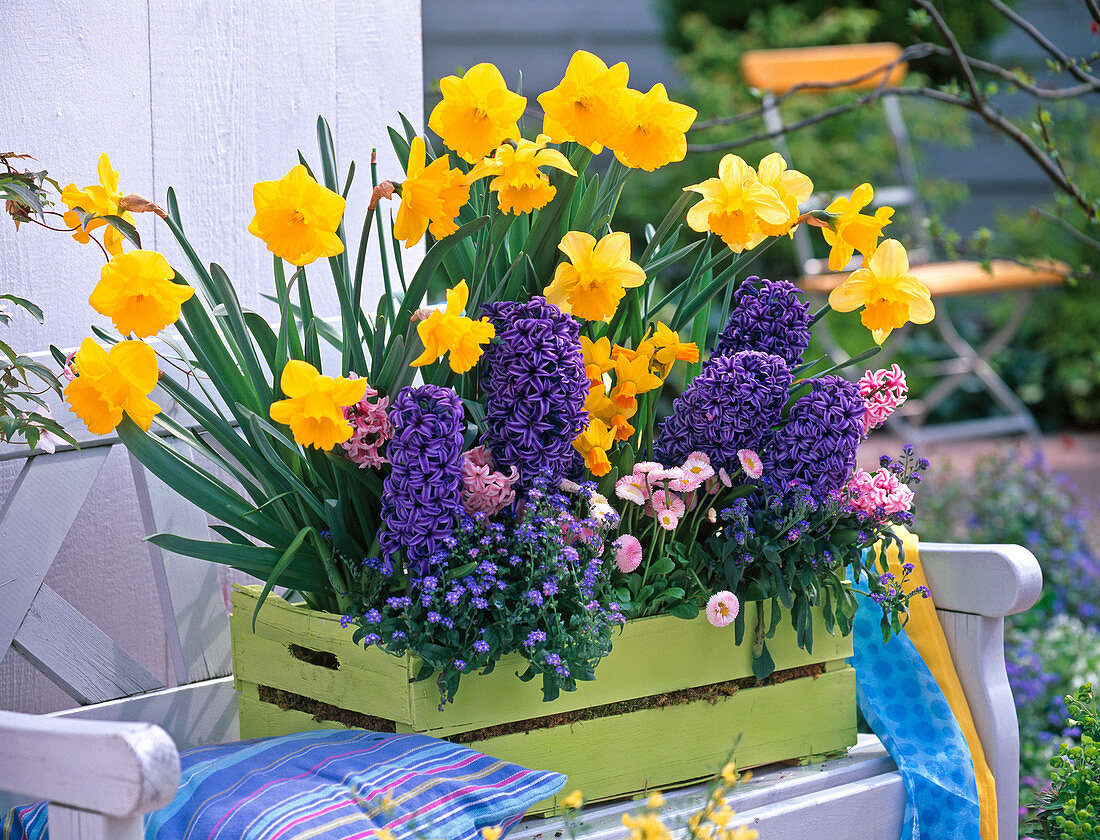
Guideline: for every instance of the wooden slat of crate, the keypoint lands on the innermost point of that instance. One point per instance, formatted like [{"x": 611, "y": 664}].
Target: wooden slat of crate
[
  {"x": 653, "y": 749},
  {"x": 651, "y": 656}
]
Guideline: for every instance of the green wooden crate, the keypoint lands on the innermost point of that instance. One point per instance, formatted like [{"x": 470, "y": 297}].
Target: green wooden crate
[{"x": 683, "y": 737}]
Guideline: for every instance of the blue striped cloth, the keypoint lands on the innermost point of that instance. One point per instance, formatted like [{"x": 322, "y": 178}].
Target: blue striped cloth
[{"x": 332, "y": 784}]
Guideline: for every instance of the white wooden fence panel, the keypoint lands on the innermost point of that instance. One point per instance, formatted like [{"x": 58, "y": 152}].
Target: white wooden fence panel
[
  {"x": 36, "y": 518},
  {"x": 77, "y": 655},
  {"x": 195, "y": 621}
]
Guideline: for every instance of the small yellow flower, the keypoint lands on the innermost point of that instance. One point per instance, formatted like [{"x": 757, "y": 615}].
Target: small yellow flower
[
  {"x": 735, "y": 204},
  {"x": 729, "y": 773},
  {"x": 889, "y": 294},
  {"x": 297, "y": 218},
  {"x": 655, "y": 801},
  {"x": 477, "y": 112},
  {"x": 599, "y": 405},
  {"x": 668, "y": 349},
  {"x": 653, "y": 131},
  {"x": 431, "y": 197},
  {"x": 573, "y": 801},
  {"x": 595, "y": 277},
  {"x": 854, "y": 231},
  {"x": 792, "y": 187},
  {"x": 385, "y": 834},
  {"x": 491, "y": 833},
  {"x": 109, "y": 384},
  {"x": 633, "y": 377},
  {"x": 594, "y": 443},
  {"x": 314, "y": 408},
  {"x": 136, "y": 292},
  {"x": 588, "y": 104},
  {"x": 453, "y": 332},
  {"x": 597, "y": 359},
  {"x": 519, "y": 185},
  {"x": 101, "y": 199}
]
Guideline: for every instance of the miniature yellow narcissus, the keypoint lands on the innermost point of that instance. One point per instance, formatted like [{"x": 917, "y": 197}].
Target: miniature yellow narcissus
[
  {"x": 597, "y": 358},
  {"x": 792, "y": 187},
  {"x": 668, "y": 349},
  {"x": 654, "y": 130},
  {"x": 734, "y": 204},
  {"x": 599, "y": 405},
  {"x": 297, "y": 218},
  {"x": 633, "y": 377},
  {"x": 431, "y": 197},
  {"x": 889, "y": 294},
  {"x": 451, "y": 331},
  {"x": 593, "y": 443},
  {"x": 854, "y": 231},
  {"x": 136, "y": 292},
  {"x": 597, "y": 275},
  {"x": 477, "y": 112},
  {"x": 101, "y": 199},
  {"x": 588, "y": 104},
  {"x": 314, "y": 408},
  {"x": 109, "y": 384},
  {"x": 519, "y": 185}
]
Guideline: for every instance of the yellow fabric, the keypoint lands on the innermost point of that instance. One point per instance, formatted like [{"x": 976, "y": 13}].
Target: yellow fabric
[{"x": 926, "y": 633}]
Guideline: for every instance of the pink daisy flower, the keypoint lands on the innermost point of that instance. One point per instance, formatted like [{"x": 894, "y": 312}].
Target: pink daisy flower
[
  {"x": 667, "y": 519},
  {"x": 724, "y": 477},
  {"x": 750, "y": 463},
  {"x": 632, "y": 488},
  {"x": 697, "y": 467},
  {"x": 663, "y": 500},
  {"x": 643, "y": 467},
  {"x": 722, "y": 608},
  {"x": 628, "y": 553}
]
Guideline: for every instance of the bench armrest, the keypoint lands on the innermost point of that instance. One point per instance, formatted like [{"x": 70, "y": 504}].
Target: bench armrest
[
  {"x": 100, "y": 777},
  {"x": 975, "y": 587}
]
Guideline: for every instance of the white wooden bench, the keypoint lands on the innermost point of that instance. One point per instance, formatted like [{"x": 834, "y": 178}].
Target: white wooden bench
[{"x": 105, "y": 763}]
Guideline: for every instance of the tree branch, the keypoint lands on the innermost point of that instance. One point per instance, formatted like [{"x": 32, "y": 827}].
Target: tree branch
[{"x": 1039, "y": 38}]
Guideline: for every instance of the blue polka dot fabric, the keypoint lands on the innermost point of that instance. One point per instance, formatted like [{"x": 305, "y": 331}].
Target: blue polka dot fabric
[{"x": 903, "y": 705}]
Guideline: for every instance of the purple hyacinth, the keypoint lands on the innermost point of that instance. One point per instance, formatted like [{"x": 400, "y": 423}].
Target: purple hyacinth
[
  {"x": 535, "y": 387},
  {"x": 769, "y": 316},
  {"x": 818, "y": 445},
  {"x": 731, "y": 405},
  {"x": 420, "y": 496}
]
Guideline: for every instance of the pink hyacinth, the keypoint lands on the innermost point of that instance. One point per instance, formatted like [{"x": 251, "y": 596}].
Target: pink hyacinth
[
  {"x": 370, "y": 429},
  {"x": 484, "y": 489},
  {"x": 882, "y": 391},
  {"x": 879, "y": 492},
  {"x": 628, "y": 553},
  {"x": 722, "y": 608}
]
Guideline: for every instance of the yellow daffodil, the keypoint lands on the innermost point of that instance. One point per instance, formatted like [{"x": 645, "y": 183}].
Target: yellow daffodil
[
  {"x": 297, "y": 218},
  {"x": 109, "y": 384},
  {"x": 597, "y": 275},
  {"x": 314, "y": 408},
  {"x": 654, "y": 130},
  {"x": 599, "y": 405},
  {"x": 573, "y": 801},
  {"x": 734, "y": 204},
  {"x": 453, "y": 332},
  {"x": 792, "y": 187},
  {"x": 101, "y": 199},
  {"x": 431, "y": 197},
  {"x": 597, "y": 358},
  {"x": 854, "y": 231},
  {"x": 889, "y": 294},
  {"x": 588, "y": 104},
  {"x": 519, "y": 185},
  {"x": 668, "y": 349},
  {"x": 136, "y": 292},
  {"x": 477, "y": 112},
  {"x": 593, "y": 443},
  {"x": 633, "y": 377}
]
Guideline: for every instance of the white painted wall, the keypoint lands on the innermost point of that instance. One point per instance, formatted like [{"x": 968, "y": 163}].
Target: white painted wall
[{"x": 208, "y": 96}]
